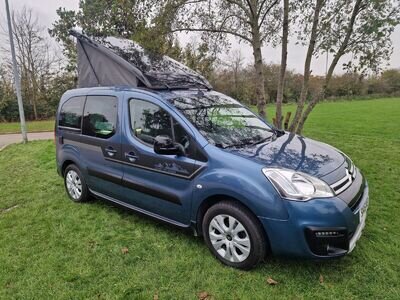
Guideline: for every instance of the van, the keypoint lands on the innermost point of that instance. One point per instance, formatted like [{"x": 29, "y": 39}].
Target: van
[{"x": 198, "y": 159}]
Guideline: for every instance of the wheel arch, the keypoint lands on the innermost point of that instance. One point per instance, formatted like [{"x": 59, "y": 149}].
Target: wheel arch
[
  {"x": 65, "y": 164},
  {"x": 212, "y": 200}
]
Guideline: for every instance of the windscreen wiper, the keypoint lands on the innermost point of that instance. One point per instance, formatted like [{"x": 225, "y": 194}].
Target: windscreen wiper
[
  {"x": 262, "y": 140},
  {"x": 238, "y": 145}
]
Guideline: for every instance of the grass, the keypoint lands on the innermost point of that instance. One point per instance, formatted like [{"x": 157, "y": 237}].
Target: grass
[
  {"x": 53, "y": 248},
  {"x": 32, "y": 126}
]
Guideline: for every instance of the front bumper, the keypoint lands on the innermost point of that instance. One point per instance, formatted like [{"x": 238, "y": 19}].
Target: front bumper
[{"x": 292, "y": 237}]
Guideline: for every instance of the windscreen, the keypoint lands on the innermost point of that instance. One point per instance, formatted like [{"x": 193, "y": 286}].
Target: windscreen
[{"x": 223, "y": 121}]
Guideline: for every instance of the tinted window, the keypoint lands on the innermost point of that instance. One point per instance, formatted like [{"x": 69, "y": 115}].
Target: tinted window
[
  {"x": 71, "y": 113},
  {"x": 149, "y": 120},
  {"x": 100, "y": 117}
]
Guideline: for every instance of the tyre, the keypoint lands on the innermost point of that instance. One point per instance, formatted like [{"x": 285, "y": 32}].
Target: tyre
[
  {"x": 75, "y": 184},
  {"x": 234, "y": 235}
]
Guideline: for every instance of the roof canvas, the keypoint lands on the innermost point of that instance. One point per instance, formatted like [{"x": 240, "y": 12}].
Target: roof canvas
[{"x": 111, "y": 61}]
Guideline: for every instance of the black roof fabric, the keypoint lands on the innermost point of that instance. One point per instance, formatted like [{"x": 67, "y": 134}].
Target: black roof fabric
[{"x": 112, "y": 61}]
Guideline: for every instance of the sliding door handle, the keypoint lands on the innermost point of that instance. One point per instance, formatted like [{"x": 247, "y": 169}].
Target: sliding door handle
[
  {"x": 110, "y": 151},
  {"x": 131, "y": 156}
]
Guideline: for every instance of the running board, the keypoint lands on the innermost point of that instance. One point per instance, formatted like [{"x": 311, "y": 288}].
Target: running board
[{"x": 140, "y": 210}]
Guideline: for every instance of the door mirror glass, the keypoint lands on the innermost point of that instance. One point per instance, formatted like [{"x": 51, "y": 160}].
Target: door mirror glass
[{"x": 164, "y": 145}]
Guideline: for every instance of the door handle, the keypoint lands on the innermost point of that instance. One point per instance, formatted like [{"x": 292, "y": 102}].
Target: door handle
[
  {"x": 131, "y": 156},
  {"x": 110, "y": 151}
]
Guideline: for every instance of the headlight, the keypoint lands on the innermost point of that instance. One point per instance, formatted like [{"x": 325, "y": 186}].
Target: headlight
[{"x": 298, "y": 186}]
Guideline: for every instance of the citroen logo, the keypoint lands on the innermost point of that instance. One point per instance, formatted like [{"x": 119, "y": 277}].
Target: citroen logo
[{"x": 349, "y": 175}]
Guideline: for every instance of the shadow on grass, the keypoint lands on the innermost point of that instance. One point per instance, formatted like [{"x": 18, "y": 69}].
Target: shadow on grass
[{"x": 271, "y": 262}]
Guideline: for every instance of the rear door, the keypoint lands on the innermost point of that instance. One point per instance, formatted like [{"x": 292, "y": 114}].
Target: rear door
[
  {"x": 100, "y": 144},
  {"x": 160, "y": 184}
]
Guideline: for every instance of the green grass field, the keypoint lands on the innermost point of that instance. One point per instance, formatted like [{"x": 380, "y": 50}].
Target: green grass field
[
  {"x": 52, "y": 248},
  {"x": 32, "y": 126}
]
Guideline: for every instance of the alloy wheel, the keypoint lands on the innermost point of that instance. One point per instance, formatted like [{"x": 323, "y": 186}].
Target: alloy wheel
[{"x": 74, "y": 184}]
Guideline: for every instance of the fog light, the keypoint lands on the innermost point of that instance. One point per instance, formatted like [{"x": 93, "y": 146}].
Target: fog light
[
  {"x": 326, "y": 233},
  {"x": 325, "y": 241}
]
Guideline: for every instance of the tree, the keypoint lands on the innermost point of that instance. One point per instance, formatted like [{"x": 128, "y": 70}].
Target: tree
[
  {"x": 391, "y": 79},
  {"x": 235, "y": 63},
  {"x": 361, "y": 28},
  {"x": 35, "y": 57},
  {"x": 310, "y": 52},
  {"x": 282, "y": 72},
  {"x": 251, "y": 21},
  {"x": 197, "y": 57},
  {"x": 139, "y": 20},
  {"x": 101, "y": 18}
]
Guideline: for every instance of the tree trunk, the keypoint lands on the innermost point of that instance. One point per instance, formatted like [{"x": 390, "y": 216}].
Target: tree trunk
[
  {"x": 321, "y": 94},
  {"x": 307, "y": 67},
  {"x": 34, "y": 96},
  {"x": 281, "y": 82},
  {"x": 258, "y": 66},
  {"x": 308, "y": 110}
]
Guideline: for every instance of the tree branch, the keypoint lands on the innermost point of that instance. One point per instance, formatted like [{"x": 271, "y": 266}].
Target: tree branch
[
  {"x": 241, "y": 6},
  {"x": 251, "y": 8},
  {"x": 357, "y": 9},
  {"x": 234, "y": 33},
  {"x": 266, "y": 13}
]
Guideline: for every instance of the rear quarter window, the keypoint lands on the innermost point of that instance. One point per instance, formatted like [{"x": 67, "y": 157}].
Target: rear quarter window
[{"x": 71, "y": 113}]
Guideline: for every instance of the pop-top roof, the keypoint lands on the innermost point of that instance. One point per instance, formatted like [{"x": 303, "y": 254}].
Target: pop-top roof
[{"x": 112, "y": 61}]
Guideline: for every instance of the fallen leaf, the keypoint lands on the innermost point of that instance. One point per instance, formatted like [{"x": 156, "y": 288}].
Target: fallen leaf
[
  {"x": 270, "y": 281},
  {"x": 124, "y": 250},
  {"x": 321, "y": 279},
  {"x": 92, "y": 243},
  {"x": 204, "y": 296},
  {"x": 155, "y": 297},
  {"x": 5, "y": 210}
]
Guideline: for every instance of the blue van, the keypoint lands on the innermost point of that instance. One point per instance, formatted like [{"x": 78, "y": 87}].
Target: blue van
[{"x": 199, "y": 159}]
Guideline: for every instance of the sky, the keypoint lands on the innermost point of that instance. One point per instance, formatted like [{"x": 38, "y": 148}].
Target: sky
[{"x": 46, "y": 12}]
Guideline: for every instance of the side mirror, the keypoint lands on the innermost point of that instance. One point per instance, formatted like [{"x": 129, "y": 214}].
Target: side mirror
[{"x": 165, "y": 146}]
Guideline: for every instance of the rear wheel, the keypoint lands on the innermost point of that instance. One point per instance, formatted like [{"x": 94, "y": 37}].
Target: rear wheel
[
  {"x": 75, "y": 184},
  {"x": 234, "y": 235}
]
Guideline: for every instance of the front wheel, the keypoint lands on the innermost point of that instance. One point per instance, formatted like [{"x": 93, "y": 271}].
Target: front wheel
[{"x": 234, "y": 235}]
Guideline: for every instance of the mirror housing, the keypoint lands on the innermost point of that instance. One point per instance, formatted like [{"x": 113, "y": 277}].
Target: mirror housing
[{"x": 165, "y": 146}]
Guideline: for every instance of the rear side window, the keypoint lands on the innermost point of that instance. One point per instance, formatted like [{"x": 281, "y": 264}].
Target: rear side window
[
  {"x": 149, "y": 120},
  {"x": 71, "y": 113},
  {"x": 100, "y": 116}
]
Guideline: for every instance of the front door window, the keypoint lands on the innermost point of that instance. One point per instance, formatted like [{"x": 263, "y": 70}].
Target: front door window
[{"x": 149, "y": 120}]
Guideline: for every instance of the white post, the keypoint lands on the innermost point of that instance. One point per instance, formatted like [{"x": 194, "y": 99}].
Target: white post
[{"x": 16, "y": 77}]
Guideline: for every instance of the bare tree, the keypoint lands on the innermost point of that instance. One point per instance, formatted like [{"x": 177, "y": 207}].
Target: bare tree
[
  {"x": 251, "y": 21},
  {"x": 35, "y": 56},
  {"x": 235, "y": 64}
]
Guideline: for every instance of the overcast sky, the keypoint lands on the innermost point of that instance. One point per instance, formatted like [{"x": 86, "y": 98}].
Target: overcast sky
[{"x": 46, "y": 11}]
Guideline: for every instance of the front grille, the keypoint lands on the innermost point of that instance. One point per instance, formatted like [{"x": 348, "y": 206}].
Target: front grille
[
  {"x": 356, "y": 201},
  {"x": 341, "y": 185}
]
